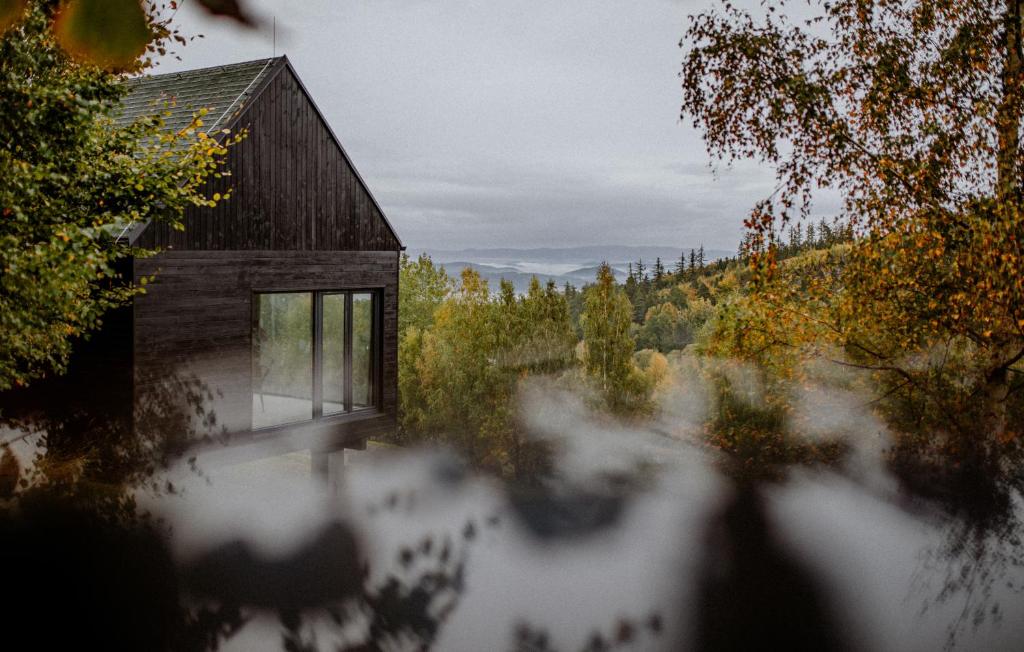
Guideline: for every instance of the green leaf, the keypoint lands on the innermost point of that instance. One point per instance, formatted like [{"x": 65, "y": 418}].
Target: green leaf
[{"x": 110, "y": 33}]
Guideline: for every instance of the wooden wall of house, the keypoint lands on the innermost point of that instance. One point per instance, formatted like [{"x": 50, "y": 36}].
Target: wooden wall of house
[
  {"x": 292, "y": 187},
  {"x": 195, "y": 321}
]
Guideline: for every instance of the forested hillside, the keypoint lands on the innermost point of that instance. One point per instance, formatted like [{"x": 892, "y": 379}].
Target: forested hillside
[{"x": 465, "y": 347}]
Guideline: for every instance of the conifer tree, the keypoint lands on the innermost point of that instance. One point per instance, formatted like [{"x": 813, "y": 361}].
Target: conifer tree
[
  {"x": 825, "y": 233},
  {"x": 632, "y": 286}
]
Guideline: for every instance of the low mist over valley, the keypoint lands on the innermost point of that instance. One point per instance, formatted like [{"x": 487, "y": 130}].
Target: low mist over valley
[{"x": 574, "y": 265}]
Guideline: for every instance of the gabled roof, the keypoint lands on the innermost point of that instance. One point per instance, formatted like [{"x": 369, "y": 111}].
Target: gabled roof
[
  {"x": 226, "y": 92},
  {"x": 222, "y": 90}
]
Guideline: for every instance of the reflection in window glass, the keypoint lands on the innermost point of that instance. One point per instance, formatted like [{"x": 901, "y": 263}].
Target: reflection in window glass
[
  {"x": 282, "y": 359},
  {"x": 362, "y": 350},
  {"x": 333, "y": 366}
]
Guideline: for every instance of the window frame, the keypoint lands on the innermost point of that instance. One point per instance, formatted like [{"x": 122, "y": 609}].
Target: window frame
[{"x": 350, "y": 412}]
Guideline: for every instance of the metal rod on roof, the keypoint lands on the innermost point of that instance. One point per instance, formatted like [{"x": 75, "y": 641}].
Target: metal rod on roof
[
  {"x": 275, "y": 36},
  {"x": 242, "y": 97}
]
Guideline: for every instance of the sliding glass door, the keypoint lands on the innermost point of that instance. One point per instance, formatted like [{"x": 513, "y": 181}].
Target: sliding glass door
[{"x": 314, "y": 355}]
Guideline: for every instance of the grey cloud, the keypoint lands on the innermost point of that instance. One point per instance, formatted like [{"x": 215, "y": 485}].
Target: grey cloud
[{"x": 512, "y": 123}]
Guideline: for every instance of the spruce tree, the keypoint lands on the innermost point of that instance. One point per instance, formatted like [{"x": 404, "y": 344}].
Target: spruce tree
[
  {"x": 825, "y": 233},
  {"x": 681, "y": 266}
]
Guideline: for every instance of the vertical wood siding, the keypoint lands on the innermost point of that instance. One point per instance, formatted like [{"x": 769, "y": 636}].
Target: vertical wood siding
[
  {"x": 298, "y": 218},
  {"x": 292, "y": 187}
]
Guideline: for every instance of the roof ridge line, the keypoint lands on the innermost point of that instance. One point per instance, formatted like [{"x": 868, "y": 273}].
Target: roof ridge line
[
  {"x": 203, "y": 69},
  {"x": 242, "y": 94}
]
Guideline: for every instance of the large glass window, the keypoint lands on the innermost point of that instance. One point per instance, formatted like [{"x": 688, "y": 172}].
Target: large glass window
[
  {"x": 314, "y": 355},
  {"x": 282, "y": 359}
]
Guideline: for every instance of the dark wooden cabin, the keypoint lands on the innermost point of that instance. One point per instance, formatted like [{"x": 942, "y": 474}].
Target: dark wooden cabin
[{"x": 280, "y": 305}]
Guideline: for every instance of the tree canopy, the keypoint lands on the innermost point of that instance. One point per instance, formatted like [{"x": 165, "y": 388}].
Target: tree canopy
[
  {"x": 73, "y": 181},
  {"x": 462, "y": 354},
  {"x": 912, "y": 111}
]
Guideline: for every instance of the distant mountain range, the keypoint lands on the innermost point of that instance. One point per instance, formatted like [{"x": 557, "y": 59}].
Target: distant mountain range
[
  {"x": 575, "y": 265},
  {"x": 586, "y": 256}
]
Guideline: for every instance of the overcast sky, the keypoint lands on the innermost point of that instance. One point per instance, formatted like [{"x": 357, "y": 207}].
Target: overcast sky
[{"x": 498, "y": 123}]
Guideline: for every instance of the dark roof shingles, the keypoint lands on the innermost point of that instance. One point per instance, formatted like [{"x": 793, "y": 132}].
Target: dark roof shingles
[{"x": 223, "y": 90}]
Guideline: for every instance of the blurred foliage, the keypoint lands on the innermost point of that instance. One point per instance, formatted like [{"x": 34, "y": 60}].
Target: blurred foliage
[
  {"x": 10, "y": 12},
  {"x": 115, "y": 34},
  {"x": 109, "y": 33},
  {"x": 751, "y": 420},
  {"x": 74, "y": 182}
]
